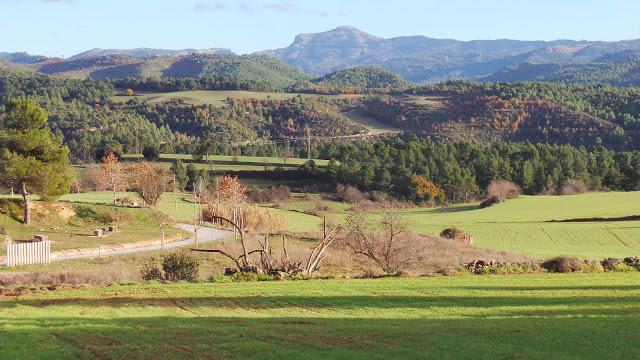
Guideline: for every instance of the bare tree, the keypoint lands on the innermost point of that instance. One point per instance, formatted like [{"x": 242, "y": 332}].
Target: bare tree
[
  {"x": 113, "y": 176},
  {"x": 268, "y": 263},
  {"x": 148, "y": 181},
  {"x": 385, "y": 241}
]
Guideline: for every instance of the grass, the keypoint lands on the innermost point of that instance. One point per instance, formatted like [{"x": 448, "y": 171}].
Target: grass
[
  {"x": 234, "y": 163},
  {"x": 70, "y": 226},
  {"x": 218, "y": 98},
  {"x": 578, "y": 316},
  {"x": 522, "y": 225}
]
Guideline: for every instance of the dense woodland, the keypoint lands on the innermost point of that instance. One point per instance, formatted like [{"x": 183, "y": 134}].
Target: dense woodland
[
  {"x": 538, "y": 135},
  {"x": 464, "y": 169}
]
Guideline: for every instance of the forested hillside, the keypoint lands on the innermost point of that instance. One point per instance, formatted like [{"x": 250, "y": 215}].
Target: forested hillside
[
  {"x": 361, "y": 77},
  {"x": 85, "y": 112},
  {"x": 623, "y": 73}
]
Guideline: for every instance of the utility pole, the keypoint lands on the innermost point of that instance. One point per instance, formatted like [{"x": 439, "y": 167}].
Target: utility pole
[
  {"x": 308, "y": 144},
  {"x": 175, "y": 195}
]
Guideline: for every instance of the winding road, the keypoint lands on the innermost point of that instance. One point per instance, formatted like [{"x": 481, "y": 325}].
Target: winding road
[{"x": 203, "y": 235}]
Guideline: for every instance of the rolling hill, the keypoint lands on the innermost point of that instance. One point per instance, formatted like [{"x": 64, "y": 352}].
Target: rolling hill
[
  {"x": 147, "y": 52},
  {"x": 367, "y": 77},
  {"x": 245, "y": 68},
  {"x": 623, "y": 73}
]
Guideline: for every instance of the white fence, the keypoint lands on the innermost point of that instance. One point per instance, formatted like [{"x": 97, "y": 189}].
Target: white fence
[{"x": 28, "y": 253}]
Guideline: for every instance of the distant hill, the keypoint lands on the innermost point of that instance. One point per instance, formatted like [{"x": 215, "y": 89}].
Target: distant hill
[
  {"x": 368, "y": 77},
  {"x": 624, "y": 73},
  {"x": 21, "y": 57},
  {"x": 423, "y": 59},
  {"x": 148, "y": 52},
  {"x": 270, "y": 72}
]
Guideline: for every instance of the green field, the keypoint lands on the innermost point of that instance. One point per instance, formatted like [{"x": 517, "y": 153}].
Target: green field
[
  {"x": 521, "y": 225},
  {"x": 234, "y": 163},
  {"x": 578, "y": 316},
  {"x": 218, "y": 98}
]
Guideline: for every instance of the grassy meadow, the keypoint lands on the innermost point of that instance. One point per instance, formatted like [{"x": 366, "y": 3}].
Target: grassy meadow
[
  {"x": 233, "y": 163},
  {"x": 521, "y": 225},
  {"x": 576, "y": 316}
]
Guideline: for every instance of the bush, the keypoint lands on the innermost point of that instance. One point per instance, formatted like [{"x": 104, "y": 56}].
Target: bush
[
  {"x": 151, "y": 153},
  {"x": 572, "y": 187},
  {"x": 274, "y": 194},
  {"x": 151, "y": 271},
  {"x": 350, "y": 194},
  {"x": 503, "y": 190},
  {"x": 563, "y": 264},
  {"x": 457, "y": 235},
  {"x": 180, "y": 266},
  {"x": 319, "y": 208}
]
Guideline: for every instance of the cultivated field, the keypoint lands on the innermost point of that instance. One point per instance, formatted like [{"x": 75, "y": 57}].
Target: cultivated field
[
  {"x": 577, "y": 316},
  {"x": 522, "y": 225}
]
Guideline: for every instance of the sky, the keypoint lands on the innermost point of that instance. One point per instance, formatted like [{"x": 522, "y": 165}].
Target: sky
[{"x": 67, "y": 27}]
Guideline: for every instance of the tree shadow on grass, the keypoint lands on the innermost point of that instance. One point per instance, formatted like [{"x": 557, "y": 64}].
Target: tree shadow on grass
[
  {"x": 571, "y": 305},
  {"x": 124, "y": 336}
]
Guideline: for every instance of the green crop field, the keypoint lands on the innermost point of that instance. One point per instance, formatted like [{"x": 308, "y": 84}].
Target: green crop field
[
  {"x": 218, "y": 98},
  {"x": 546, "y": 316},
  {"x": 522, "y": 225}
]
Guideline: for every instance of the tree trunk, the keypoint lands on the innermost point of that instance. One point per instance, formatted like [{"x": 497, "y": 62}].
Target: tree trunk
[{"x": 25, "y": 202}]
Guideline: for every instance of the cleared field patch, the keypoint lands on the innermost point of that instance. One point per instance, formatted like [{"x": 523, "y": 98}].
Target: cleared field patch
[
  {"x": 586, "y": 316},
  {"x": 234, "y": 163},
  {"x": 216, "y": 97},
  {"x": 374, "y": 126}
]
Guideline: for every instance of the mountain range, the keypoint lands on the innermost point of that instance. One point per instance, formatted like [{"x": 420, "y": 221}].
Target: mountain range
[{"x": 418, "y": 59}]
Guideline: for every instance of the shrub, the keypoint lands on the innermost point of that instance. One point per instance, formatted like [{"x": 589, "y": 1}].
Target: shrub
[
  {"x": 457, "y": 235},
  {"x": 503, "y": 190},
  {"x": 572, "y": 187},
  {"x": 180, "y": 266},
  {"x": 350, "y": 194},
  {"x": 151, "y": 153},
  {"x": 563, "y": 264},
  {"x": 611, "y": 263},
  {"x": 274, "y": 194},
  {"x": 319, "y": 208},
  {"x": 151, "y": 271},
  {"x": 489, "y": 202}
]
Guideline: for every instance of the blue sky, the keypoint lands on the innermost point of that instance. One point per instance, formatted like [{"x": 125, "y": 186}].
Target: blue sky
[{"x": 66, "y": 27}]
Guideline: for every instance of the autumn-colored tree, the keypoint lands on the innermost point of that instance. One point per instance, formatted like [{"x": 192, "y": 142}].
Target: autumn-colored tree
[
  {"x": 232, "y": 192},
  {"x": 425, "y": 189},
  {"x": 148, "y": 181},
  {"x": 113, "y": 176}
]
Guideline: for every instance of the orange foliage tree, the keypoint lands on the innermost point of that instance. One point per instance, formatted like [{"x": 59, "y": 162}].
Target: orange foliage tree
[{"x": 425, "y": 189}]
